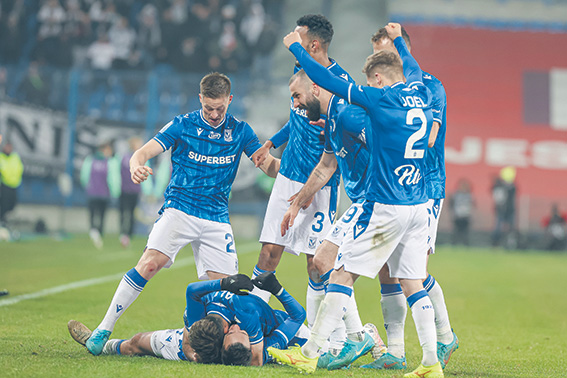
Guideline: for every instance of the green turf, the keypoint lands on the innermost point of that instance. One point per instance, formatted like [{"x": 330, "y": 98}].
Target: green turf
[{"x": 508, "y": 309}]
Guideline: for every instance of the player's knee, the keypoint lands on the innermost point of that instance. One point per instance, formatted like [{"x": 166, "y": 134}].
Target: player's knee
[{"x": 131, "y": 347}]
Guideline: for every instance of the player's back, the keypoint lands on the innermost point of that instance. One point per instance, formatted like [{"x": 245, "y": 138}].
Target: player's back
[
  {"x": 345, "y": 137},
  {"x": 401, "y": 122}
]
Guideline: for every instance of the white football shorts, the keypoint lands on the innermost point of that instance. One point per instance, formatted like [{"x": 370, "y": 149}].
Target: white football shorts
[
  {"x": 434, "y": 207},
  {"x": 167, "y": 344},
  {"x": 392, "y": 234},
  {"x": 310, "y": 226},
  {"x": 212, "y": 242},
  {"x": 341, "y": 227}
]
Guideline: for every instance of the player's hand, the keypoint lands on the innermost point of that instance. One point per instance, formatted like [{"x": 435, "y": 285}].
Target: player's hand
[
  {"x": 320, "y": 123},
  {"x": 237, "y": 283},
  {"x": 140, "y": 174},
  {"x": 394, "y": 30},
  {"x": 268, "y": 281},
  {"x": 262, "y": 153},
  {"x": 291, "y": 38},
  {"x": 289, "y": 218},
  {"x": 305, "y": 205}
]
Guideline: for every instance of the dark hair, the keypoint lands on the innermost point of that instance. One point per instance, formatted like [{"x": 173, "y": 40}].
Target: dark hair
[
  {"x": 386, "y": 61},
  {"x": 236, "y": 354},
  {"x": 206, "y": 337},
  {"x": 319, "y": 28},
  {"x": 215, "y": 85},
  {"x": 382, "y": 33}
]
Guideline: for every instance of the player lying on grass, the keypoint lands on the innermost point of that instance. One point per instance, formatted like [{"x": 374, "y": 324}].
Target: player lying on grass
[{"x": 220, "y": 327}]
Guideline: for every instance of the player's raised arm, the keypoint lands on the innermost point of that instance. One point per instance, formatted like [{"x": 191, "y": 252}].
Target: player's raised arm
[
  {"x": 138, "y": 170},
  {"x": 412, "y": 71},
  {"x": 318, "y": 178}
]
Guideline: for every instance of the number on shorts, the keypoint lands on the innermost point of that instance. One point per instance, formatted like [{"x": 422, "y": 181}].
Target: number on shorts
[
  {"x": 229, "y": 246},
  {"x": 350, "y": 214},
  {"x": 318, "y": 226},
  {"x": 411, "y": 115}
]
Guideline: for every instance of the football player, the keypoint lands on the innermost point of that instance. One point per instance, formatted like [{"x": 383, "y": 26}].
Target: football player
[{"x": 206, "y": 145}]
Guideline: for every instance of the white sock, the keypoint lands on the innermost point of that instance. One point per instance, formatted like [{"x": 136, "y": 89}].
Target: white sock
[
  {"x": 314, "y": 297},
  {"x": 128, "y": 290},
  {"x": 265, "y": 295},
  {"x": 353, "y": 324},
  {"x": 330, "y": 313},
  {"x": 424, "y": 318},
  {"x": 338, "y": 337},
  {"x": 394, "y": 311},
  {"x": 444, "y": 331}
]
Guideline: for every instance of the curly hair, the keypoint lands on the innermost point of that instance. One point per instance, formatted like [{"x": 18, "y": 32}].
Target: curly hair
[
  {"x": 206, "y": 337},
  {"x": 319, "y": 27}
]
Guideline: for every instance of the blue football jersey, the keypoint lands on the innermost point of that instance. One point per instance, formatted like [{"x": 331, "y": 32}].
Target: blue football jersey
[
  {"x": 305, "y": 142},
  {"x": 204, "y": 160},
  {"x": 435, "y": 156},
  {"x": 345, "y": 137},
  {"x": 401, "y": 120}
]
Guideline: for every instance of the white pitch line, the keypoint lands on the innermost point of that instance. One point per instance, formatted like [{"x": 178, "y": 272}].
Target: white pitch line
[{"x": 94, "y": 281}]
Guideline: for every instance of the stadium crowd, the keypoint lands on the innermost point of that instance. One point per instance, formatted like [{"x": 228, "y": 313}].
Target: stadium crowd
[{"x": 226, "y": 35}]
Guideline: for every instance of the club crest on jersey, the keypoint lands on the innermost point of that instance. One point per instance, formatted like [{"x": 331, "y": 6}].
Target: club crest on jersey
[
  {"x": 228, "y": 135},
  {"x": 213, "y": 135},
  {"x": 312, "y": 242},
  {"x": 408, "y": 174}
]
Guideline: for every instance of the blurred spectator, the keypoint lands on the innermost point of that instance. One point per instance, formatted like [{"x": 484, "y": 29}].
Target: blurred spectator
[
  {"x": 461, "y": 205},
  {"x": 101, "y": 53},
  {"x": 504, "y": 196},
  {"x": 51, "y": 17},
  {"x": 102, "y": 15},
  {"x": 130, "y": 193},
  {"x": 34, "y": 88},
  {"x": 555, "y": 226},
  {"x": 188, "y": 58},
  {"x": 100, "y": 175},
  {"x": 122, "y": 38},
  {"x": 149, "y": 34},
  {"x": 11, "y": 171}
]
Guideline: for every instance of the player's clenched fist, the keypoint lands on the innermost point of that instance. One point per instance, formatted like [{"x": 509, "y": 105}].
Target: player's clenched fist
[
  {"x": 237, "y": 284},
  {"x": 141, "y": 173},
  {"x": 291, "y": 38},
  {"x": 268, "y": 281},
  {"x": 394, "y": 30}
]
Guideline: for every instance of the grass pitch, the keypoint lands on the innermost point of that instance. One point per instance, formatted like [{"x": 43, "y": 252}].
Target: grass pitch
[{"x": 507, "y": 308}]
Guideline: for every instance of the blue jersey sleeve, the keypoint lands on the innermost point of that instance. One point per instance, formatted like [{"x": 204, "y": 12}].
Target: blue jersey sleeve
[
  {"x": 354, "y": 120},
  {"x": 412, "y": 72},
  {"x": 328, "y": 146},
  {"x": 167, "y": 136},
  {"x": 251, "y": 143},
  {"x": 195, "y": 309},
  {"x": 281, "y": 136},
  {"x": 326, "y": 79},
  {"x": 439, "y": 101}
]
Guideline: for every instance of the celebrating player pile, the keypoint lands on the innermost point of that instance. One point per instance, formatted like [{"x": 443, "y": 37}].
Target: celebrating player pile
[{"x": 393, "y": 227}]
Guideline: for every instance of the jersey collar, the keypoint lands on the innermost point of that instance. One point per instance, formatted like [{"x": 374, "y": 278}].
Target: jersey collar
[{"x": 207, "y": 123}]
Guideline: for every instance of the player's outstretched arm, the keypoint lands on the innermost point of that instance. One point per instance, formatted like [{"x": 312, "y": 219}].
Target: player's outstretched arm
[
  {"x": 412, "y": 71},
  {"x": 281, "y": 136},
  {"x": 138, "y": 170},
  {"x": 270, "y": 165},
  {"x": 318, "y": 178}
]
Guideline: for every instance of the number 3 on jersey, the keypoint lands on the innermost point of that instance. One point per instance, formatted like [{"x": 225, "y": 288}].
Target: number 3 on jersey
[{"x": 415, "y": 137}]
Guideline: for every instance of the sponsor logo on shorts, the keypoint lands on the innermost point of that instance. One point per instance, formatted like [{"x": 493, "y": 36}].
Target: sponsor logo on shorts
[
  {"x": 336, "y": 231},
  {"x": 359, "y": 230}
]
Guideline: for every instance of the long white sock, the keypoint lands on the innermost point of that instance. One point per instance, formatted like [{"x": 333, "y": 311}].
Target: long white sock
[
  {"x": 444, "y": 332},
  {"x": 313, "y": 299},
  {"x": 424, "y": 318},
  {"x": 353, "y": 324},
  {"x": 128, "y": 290},
  {"x": 265, "y": 295},
  {"x": 394, "y": 311},
  {"x": 330, "y": 313}
]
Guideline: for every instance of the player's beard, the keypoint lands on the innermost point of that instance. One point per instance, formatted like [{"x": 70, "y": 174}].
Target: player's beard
[{"x": 313, "y": 108}]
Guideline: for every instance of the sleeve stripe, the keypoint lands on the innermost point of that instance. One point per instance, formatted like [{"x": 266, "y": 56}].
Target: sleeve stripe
[
  {"x": 160, "y": 143},
  {"x": 349, "y": 89},
  {"x": 220, "y": 314},
  {"x": 438, "y": 120},
  {"x": 257, "y": 341},
  {"x": 284, "y": 336}
]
